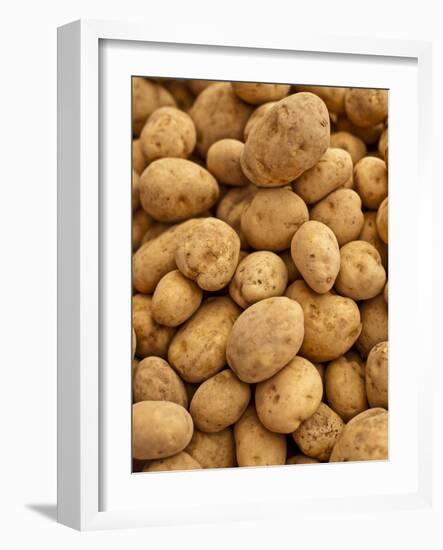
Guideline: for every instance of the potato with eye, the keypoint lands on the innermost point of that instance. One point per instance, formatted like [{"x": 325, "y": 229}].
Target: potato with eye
[
  {"x": 369, "y": 135},
  {"x": 371, "y": 181},
  {"x": 231, "y": 206},
  {"x": 366, "y": 107},
  {"x": 264, "y": 338},
  {"x": 362, "y": 275},
  {"x": 381, "y": 221},
  {"x": 256, "y": 116},
  {"x": 315, "y": 251},
  {"x": 293, "y": 272},
  {"x": 331, "y": 322},
  {"x": 376, "y": 376},
  {"x": 208, "y": 254},
  {"x": 374, "y": 317},
  {"x": 139, "y": 161},
  {"x": 370, "y": 234},
  {"x": 213, "y": 450},
  {"x": 179, "y": 462},
  {"x": 341, "y": 212},
  {"x": 355, "y": 146},
  {"x": 302, "y": 459},
  {"x": 287, "y": 141},
  {"x": 333, "y": 97},
  {"x": 258, "y": 276},
  {"x": 332, "y": 171},
  {"x": 289, "y": 397},
  {"x": 270, "y": 219},
  {"x": 259, "y": 93},
  {"x": 152, "y": 338},
  {"x": 219, "y": 402},
  {"x": 223, "y": 161},
  {"x": 141, "y": 222},
  {"x": 147, "y": 96}
]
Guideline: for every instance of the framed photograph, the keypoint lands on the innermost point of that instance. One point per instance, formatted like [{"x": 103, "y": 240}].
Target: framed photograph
[{"x": 223, "y": 264}]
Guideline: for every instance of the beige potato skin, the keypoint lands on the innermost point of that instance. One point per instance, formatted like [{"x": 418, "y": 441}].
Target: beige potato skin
[
  {"x": 159, "y": 429},
  {"x": 383, "y": 145},
  {"x": 152, "y": 338},
  {"x": 175, "y": 299},
  {"x": 270, "y": 219},
  {"x": 293, "y": 272},
  {"x": 198, "y": 350},
  {"x": 365, "y": 437},
  {"x": 231, "y": 206},
  {"x": 370, "y": 234},
  {"x": 366, "y": 107},
  {"x": 180, "y": 91},
  {"x": 141, "y": 222},
  {"x": 315, "y": 251},
  {"x": 219, "y": 402},
  {"x": 139, "y": 161},
  {"x": 147, "y": 96},
  {"x": 135, "y": 191},
  {"x": 376, "y": 376},
  {"x": 371, "y": 181},
  {"x": 332, "y": 170},
  {"x": 374, "y": 317},
  {"x": 334, "y": 98},
  {"x": 258, "y": 93},
  {"x": 382, "y": 221},
  {"x": 256, "y": 116},
  {"x": 317, "y": 435},
  {"x": 223, "y": 161},
  {"x": 265, "y": 338},
  {"x": 180, "y": 461},
  {"x": 197, "y": 86},
  {"x": 331, "y": 322},
  {"x": 302, "y": 459},
  {"x": 290, "y": 138},
  {"x": 355, "y": 146},
  {"x": 289, "y": 397},
  {"x": 213, "y": 450},
  {"x": 386, "y": 293},
  {"x": 369, "y": 135},
  {"x": 255, "y": 445},
  {"x": 173, "y": 190},
  {"x": 208, "y": 254}
]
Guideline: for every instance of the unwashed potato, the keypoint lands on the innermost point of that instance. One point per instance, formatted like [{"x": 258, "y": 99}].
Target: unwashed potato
[
  {"x": 255, "y": 445},
  {"x": 382, "y": 221},
  {"x": 374, "y": 318},
  {"x": 139, "y": 161},
  {"x": 213, "y": 450},
  {"x": 155, "y": 230},
  {"x": 289, "y": 397},
  {"x": 152, "y": 338},
  {"x": 135, "y": 191},
  {"x": 315, "y": 251},
  {"x": 293, "y": 272},
  {"x": 180, "y": 461},
  {"x": 147, "y": 96},
  {"x": 355, "y": 146},
  {"x": 197, "y": 86},
  {"x": 141, "y": 222},
  {"x": 370, "y": 234},
  {"x": 223, "y": 161},
  {"x": 256, "y": 116},
  {"x": 219, "y": 402},
  {"x": 290, "y": 138},
  {"x": 386, "y": 292},
  {"x": 383, "y": 145},
  {"x": 302, "y": 459},
  {"x": 366, "y": 107},
  {"x": 159, "y": 429},
  {"x": 198, "y": 350},
  {"x": 331, "y": 322},
  {"x": 181, "y": 93},
  {"x": 371, "y": 181},
  {"x": 231, "y": 206},
  {"x": 376, "y": 375},
  {"x": 333, "y": 97},
  {"x": 369, "y": 135},
  {"x": 258, "y": 93},
  {"x": 264, "y": 338}
]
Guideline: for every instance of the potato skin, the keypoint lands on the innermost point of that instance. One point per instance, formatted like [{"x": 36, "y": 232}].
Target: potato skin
[
  {"x": 366, "y": 107},
  {"x": 258, "y": 93},
  {"x": 198, "y": 350},
  {"x": 213, "y": 450},
  {"x": 135, "y": 191},
  {"x": 355, "y": 146},
  {"x": 231, "y": 206},
  {"x": 289, "y": 397},
  {"x": 376, "y": 376},
  {"x": 223, "y": 160},
  {"x": 383, "y": 145},
  {"x": 315, "y": 251},
  {"x": 382, "y": 221},
  {"x": 374, "y": 318},
  {"x": 265, "y": 338},
  {"x": 147, "y": 96},
  {"x": 293, "y": 272},
  {"x": 331, "y": 322},
  {"x": 159, "y": 429},
  {"x": 334, "y": 98},
  {"x": 289, "y": 139},
  {"x": 141, "y": 222},
  {"x": 371, "y": 181},
  {"x": 180, "y": 461},
  {"x": 255, "y": 445},
  {"x": 139, "y": 161},
  {"x": 256, "y": 116},
  {"x": 369, "y": 234},
  {"x": 369, "y": 135},
  {"x": 152, "y": 338},
  {"x": 302, "y": 459}
]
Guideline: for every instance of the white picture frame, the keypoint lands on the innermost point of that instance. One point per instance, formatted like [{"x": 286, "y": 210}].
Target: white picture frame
[{"x": 95, "y": 487}]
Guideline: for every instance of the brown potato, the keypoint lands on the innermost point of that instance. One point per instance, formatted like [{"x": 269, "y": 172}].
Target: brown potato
[
  {"x": 135, "y": 191},
  {"x": 302, "y": 459},
  {"x": 381, "y": 221},
  {"x": 197, "y": 86},
  {"x": 376, "y": 375},
  {"x": 152, "y": 338},
  {"x": 141, "y": 222},
  {"x": 139, "y": 161},
  {"x": 213, "y": 450},
  {"x": 374, "y": 317},
  {"x": 256, "y": 116},
  {"x": 180, "y": 461},
  {"x": 366, "y": 107},
  {"x": 259, "y": 93},
  {"x": 293, "y": 272},
  {"x": 231, "y": 206},
  {"x": 386, "y": 292},
  {"x": 181, "y": 92},
  {"x": 371, "y": 181},
  {"x": 333, "y": 97},
  {"x": 369, "y": 135},
  {"x": 355, "y": 146},
  {"x": 383, "y": 145},
  {"x": 147, "y": 96},
  {"x": 370, "y": 235},
  {"x": 223, "y": 161},
  {"x": 155, "y": 230}
]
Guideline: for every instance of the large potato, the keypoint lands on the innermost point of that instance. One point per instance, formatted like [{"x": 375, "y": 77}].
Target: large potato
[
  {"x": 231, "y": 206},
  {"x": 374, "y": 318},
  {"x": 371, "y": 181},
  {"x": 366, "y": 107},
  {"x": 258, "y": 93},
  {"x": 180, "y": 461},
  {"x": 370, "y": 234},
  {"x": 147, "y": 96},
  {"x": 213, "y": 450},
  {"x": 265, "y": 338},
  {"x": 355, "y": 146},
  {"x": 151, "y": 338},
  {"x": 376, "y": 375},
  {"x": 382, "y": 221},
  {"x": 256, "y": 116},
  {"x": 223, "y": 160}
]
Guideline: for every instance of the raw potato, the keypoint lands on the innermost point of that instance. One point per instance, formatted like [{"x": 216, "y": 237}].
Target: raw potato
[
  {"x": 383, "y": 145},
  {"x": 366, "y": 107},
  {"x": 315, "y": 251},
  {"x": 374, "y": 317},
  {"x": 152, "y": 338},
  {"x": 293, "y": 272},
  {"x": 371, "y": 181},
  {"x": 265, "y": 338},
  {"x": 135, "y": 191},
  {"x": 208, "y": 254},
  {"x": 355, "y": 146},
  {"x": 198, "y": 350},
  {"x": 289, "y": 397},
  {"x": 257, "y": 93},
  {"x": 147, "y": 96},
  {"x": 377, "y": 376},
  {"x": 302, "y": 459},
  {"x": 181, "y": 93},
  {"x": 287, "y": 141},
  {"x": 382, "y": 221},
  {"x": 219, "y": 402},
  {"x": 159, "y": 429},
  {"x": 197, "y": 86},
  {"x": 141, "y": 222},
  {"x": 139, "y": 161},
  {"x": 369, "y": 234},
  {"x": 223, "y": 161},
  {"x": 386, "y": 292},
  {"x": 214, "y": 450},
  {"x": 255, "y": 445},
  {"x": 369, "y": 135},
  {"x": 175, "y": 299},
  {"x": 231, "y": 206},
  {"x": 333, "y": 97},
  {"x": 180, "y": 461},
  {"x": 256, "y": 116},
  {"x": 331, "y": 322}
]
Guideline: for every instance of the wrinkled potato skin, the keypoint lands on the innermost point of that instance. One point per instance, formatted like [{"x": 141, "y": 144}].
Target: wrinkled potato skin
[
  {"x": 319, "y": 270},
  {"x": 198, "y": 350},
  {"x": 159, "y": 429},
  {"x": 376, "y": 375},
  {"x": 256, "y": 116},
  {"x": 139, "y": 161},
  {"x": 370, "y": 234},
  {"x": 213, "y": 450},
  {"x": 382, "y": 221},
  {"x": 366, "y": 107},
  {"x": 231, "y": 206},
  {"x": 302, "y": 459},
  {"x": 181, "y": 461},
  {"x": 223, "y": 161},
  {"x": 147, "y": 96},
  {"x": 152, "y": 338},
  {"x": 141, "y": 222},
  {"x": 257, "y": 93},
  {"x": 265, "y": 338},
  {"x": 371, "y": 181},
  {"x": 289, "y": 397},
  {"x": 332, "y": 323},
  {"x": 374, "y": 317},
  {"x": 355, "y": 146},
  {"x": 369, "y": 135},
  {"x": 333, "y": 97},
  {"x": 289, "y": 139}
]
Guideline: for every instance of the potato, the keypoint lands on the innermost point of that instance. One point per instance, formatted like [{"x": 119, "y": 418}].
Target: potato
[
  {"x": 289, "y": 397},
  {"x": 223, "y": 161},
  {"x": 147, "y": 96},
  {"x": 258, "y": 276},
  {"x": 180, "y": 461},
  {"x": 383, "y": 145},
  {"x": 265, "y": 338},
  {"x": 155, "y": 230},
  {"x": 197, "y": 86},
  {"x": 169, "y": 132},
  {"x": 331, "y": 322},
  {"x": 258, "y": 93},
  {"x": 141, "y": 222},
  {"x": 231, "y": 206},
  {"x": 134, "y": 366},
  {"x": 340, "y": 211},
  {"x": 302, "y": 459},
  {"x": 332, "y": 170},
  {"x": 256, "y": 116},
  {"x": 135, "y": 191},
  {"x": 175, "y": 299},
  {"x": 255, "y": 445},
  {"x": 376, "y": 376},
  {"x": 293, "y": 272},
  {"x": 217, "y": 114},
  {"x": 155, "y": 380},
  {"x": 370, "y": 235},
  {"x": 179, "y": 90},
  {"x": 134, "y": 343},
  {"x": 198, "y": 350},
  {"x": 317, "y": 435},
  {"x": 381, "y": 221},
  {"x": 366, "y": 107},
  {"x": 333, "y": 97},
  {"x": 385, "y": 292},
  {"x": 139, "y": 161},
  {"x": 371, "y": 181},
  {"x": 374, "y": 317},
  {"x": 173, "y": 190},
  {"x": 159, "y": 429},
  {"x": 219, "y": 402},
  {"x": 316, "y": 254},
  {"x": 270, "y": 219},
  {"x": 214, "y": 450},
  {"x": 287, "y": 141},
  {"x": 365, "y": 437},
  {"x": 352, "y": 144},
  {"x": 369, "y": 135},
  {"x": 152, "y": 338}
]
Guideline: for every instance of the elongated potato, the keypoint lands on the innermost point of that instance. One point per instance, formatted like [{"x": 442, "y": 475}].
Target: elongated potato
[
  {"x": 374, "y": 318},
  {"x": 151, "y": 338},
  {"x": 180, "y": 461},
  {"x": 258, "y": 93},
  {"x": 213, "y": 450},
  {"x": 376, "y": 376}
]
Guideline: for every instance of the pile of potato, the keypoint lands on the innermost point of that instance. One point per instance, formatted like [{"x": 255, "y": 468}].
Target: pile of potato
[{"x": 260, "y": 293}]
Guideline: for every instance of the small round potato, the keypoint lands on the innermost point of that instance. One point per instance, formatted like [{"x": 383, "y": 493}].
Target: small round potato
[
  {"x": 302, "y": 459},
  {"x": 293, "y": 272},
  {"x": 152, "y": 338},
  {"x": 257, "y": 93},
  {"x": 382, "y": 221},
  {"x": 333, "y": 97},
  {"x": 289, "y": 397},
  {"x": 366, "y": 107},
  {"x": 219, "y": 402},
  {"x": 147, "y": 96},
  {"x": 369, "y": 135},
  {"x": 223, "y": 161},
  {"x": 159, "y": 429},
  {"x": 315, "y": 251},
  {"x": 256, "y": 116},
  {"x": 230, "y": 209},
  {"x": 371, "y": 181},
  {"x": 208, "y": 254},
  {"x": 355, "y": 146},
  {"x": 180, "y": 461},
  {"x": 213, "y": 450},
  {"x": 376, "y": 375},
  {"x": 374, "y": 317},
  {"x": 175, "y": 299},
  {"x": 135, "y": 191},
  {"x": 370, "y": 234},
  {"x": 141, "y": 222},
  {"x": 265, "y": 338},
  {"x": 139, "y": 161}
]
